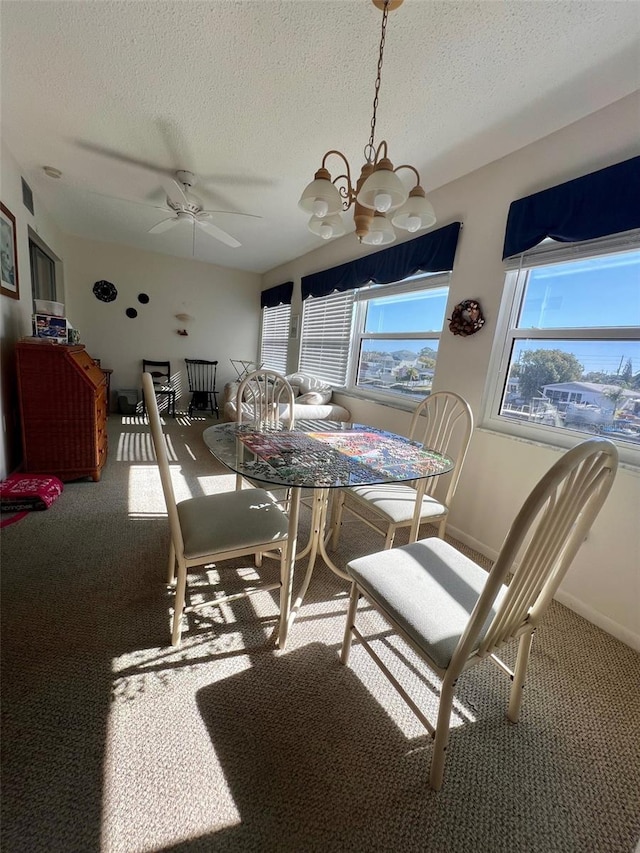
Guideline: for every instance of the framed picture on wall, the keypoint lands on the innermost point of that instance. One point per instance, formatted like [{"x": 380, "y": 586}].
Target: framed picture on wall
[{"x": 9, "y": 253}]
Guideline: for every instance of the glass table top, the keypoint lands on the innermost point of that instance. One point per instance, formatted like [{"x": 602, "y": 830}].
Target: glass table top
[{"x": 322, "y": 454}]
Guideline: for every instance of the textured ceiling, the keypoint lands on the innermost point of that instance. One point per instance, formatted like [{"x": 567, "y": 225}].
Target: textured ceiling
[{"x": 249, "y": 94}]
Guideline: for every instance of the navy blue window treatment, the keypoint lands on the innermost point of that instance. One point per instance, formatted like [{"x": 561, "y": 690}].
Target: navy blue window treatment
[
  {"x": 596, "y": 205},
  {"x": 279, "y": 295},
  {"x": 433, "y": 252}
]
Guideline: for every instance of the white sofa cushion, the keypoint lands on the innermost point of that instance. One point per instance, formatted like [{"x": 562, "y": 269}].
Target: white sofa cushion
[
  {"x": 305, "y": 383},
  {"x": 315, "y": 398}
]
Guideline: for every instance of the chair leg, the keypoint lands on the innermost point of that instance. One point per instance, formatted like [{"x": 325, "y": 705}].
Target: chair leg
[
  {"x": 351, "y": 621},
  {"x": 171, "y": 574},
  {"x": 442, "y": 527},
  {"x": 391, "y": 535},
  {"x": 258, "y": 559},
  {"x": 441, "y": 740},
  {"x": 238, "y": 482},
  {"x": 179, "y": 604},
  {"x": 517, "y": 687}
]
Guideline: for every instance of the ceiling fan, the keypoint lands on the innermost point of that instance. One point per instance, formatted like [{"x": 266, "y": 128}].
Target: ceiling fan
[{"x": 187, "y": 206}]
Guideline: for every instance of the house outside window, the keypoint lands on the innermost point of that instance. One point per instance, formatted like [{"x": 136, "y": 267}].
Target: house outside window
[
  {"x": 274, "y": 337},
  {"x": 380, "y": 340},
  {"x": 569, "y": 363}
]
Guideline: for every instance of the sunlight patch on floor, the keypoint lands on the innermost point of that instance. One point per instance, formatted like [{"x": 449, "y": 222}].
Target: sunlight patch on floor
[{"x": 170, "y": 787}]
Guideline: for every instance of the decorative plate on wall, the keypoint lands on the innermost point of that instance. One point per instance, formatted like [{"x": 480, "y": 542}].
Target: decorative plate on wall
[
  {"x": 131, "y": 312},
  {"x": 105, "y": 291},
  {"x": 143, "y": 298}
]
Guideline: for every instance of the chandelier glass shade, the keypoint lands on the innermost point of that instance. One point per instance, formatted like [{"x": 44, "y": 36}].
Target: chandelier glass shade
[{"x": 378, "y": 191}]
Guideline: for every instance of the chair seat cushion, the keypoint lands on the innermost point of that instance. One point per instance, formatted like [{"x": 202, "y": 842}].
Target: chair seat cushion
[
  {"x": 429, "y": 588},
  {"x": 396, "y": 502},
  {"x": 229, "y": 521}
]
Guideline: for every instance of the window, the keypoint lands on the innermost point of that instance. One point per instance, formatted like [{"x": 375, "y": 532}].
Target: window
[
  {"x": 274, "y": 340},
  {"x": 381, "y": 339},
  {"x": 43, "y": 273},
  {"x": 571, "y": 356}
]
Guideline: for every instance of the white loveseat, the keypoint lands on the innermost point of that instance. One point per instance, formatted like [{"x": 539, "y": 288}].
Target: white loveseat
[{"x": 313, "y": 400}]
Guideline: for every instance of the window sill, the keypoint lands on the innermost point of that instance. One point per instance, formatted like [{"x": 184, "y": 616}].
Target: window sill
[
  {"x": 629, "y": 456},
  {"x": 388, "y": 402}
]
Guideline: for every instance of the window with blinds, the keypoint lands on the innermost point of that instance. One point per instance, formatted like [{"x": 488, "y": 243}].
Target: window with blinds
[
  {"x": 326, "y": 336},
  {"x": 274, "y": 340}
]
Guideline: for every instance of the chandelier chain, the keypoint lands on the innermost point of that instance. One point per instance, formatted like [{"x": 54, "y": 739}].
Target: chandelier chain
[{"x": 369, "y": 151}]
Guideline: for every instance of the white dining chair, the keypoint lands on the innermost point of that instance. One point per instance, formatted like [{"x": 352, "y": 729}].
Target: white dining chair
[
  {"x": 217, "y": 527},
  {"x": 454, "y": 614},
  {"x": 266, "y": 399},
  {"x": 441, "y": 421}
]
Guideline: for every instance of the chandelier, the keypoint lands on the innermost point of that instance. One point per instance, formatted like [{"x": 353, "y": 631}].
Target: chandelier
[{"x": 381, "y": 201}]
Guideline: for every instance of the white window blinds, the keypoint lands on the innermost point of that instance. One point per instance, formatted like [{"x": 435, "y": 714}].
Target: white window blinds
[
  {"x": 326, "y": 336},
  {"x": 275, "y": 337}
]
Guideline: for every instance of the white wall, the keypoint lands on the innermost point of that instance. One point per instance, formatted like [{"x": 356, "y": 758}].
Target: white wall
[
  {"x": 224, "y": 303},
  {"x": 15, "y": 314},
  {"x": 604, "y": 582}
]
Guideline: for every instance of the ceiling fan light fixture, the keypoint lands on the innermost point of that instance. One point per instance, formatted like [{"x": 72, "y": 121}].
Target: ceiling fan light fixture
[{"x": 378, "y": 190}]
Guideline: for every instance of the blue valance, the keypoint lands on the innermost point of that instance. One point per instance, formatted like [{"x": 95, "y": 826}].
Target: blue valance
[
  {"x": 595, "y": 205},
  {"x": 279, "y": 295},
  {"x": 433, "y": 252}
]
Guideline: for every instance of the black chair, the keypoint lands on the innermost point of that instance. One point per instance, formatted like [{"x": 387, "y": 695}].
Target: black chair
[
  {"x": 161, "y": 377},
  {"x": 201, "y": 376}
]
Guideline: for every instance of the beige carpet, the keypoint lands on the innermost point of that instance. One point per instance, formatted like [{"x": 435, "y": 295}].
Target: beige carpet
[{"x": 113, "y": 741}]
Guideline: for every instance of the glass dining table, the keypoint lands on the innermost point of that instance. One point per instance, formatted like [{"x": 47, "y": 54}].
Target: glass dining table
[{"x": 320, "y": 456}]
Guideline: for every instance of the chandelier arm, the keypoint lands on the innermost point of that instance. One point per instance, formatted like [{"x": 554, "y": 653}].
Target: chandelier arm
[
  {"x": 347, "y": 192},
  {"x": 412, "y": 168}
]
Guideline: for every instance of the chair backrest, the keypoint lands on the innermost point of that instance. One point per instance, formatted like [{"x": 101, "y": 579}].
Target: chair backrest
[
  {"x": 443, "y": 421},
  {"x": 269, "y": 398},
  {"x": 540, "y": 546},
  {"x": 201, "y": 374},
  {"x": 160, "y": 447},
  {"x": 160, "y": 371}
]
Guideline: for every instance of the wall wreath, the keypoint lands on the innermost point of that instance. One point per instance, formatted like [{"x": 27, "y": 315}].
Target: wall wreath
[{"x": 466, "y": 318}]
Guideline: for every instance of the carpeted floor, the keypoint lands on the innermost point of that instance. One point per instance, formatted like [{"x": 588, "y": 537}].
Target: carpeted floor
[{"x": 113, "y": 741}]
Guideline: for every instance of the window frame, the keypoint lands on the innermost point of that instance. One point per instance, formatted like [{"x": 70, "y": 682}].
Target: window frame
[{"x": 507, "y": 334}]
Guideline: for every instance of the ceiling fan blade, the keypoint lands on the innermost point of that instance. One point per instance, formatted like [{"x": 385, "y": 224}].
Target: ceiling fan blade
[
  {"x": 124, "y": 158},
  {"x": 234, "y": 213},
  {"x": 236, "y": 180},
  {"x": 174, "y": 190},
  {"x": 218, "y": 233},
  {"x": 129, "y": 200},
  {"x": 164, "y": 225}
]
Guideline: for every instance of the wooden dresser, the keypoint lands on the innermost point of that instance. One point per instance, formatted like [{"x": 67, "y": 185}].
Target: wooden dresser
[{"x": 63, "y": 410}]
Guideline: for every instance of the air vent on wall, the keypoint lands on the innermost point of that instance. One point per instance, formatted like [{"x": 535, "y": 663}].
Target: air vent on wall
[{"x": 27, "y": 196}]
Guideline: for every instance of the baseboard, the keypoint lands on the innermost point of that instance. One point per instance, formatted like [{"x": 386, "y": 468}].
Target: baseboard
[
  {"x": 599, "y": 619},
  {"x": 594, "y": 616},
  {"x": 470, "y": 542}
]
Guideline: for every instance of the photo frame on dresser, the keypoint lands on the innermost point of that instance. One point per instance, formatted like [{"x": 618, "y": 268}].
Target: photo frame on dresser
[{"x": 9, "y": 254}]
